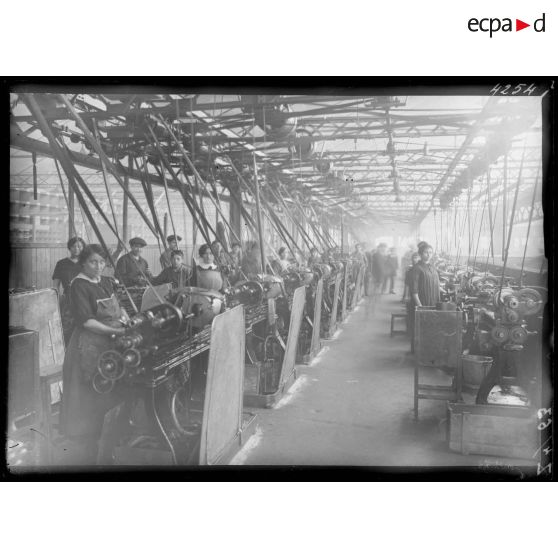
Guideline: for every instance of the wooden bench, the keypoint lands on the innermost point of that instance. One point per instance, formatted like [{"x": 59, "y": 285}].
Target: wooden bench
[{"x": 396, "y": 316}]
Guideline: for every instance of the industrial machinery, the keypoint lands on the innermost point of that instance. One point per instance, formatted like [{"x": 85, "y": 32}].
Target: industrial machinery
[
  {"x": 267, "y": 330},
  {"x": 156, "y": 366},
  {"x": 161, "y": 360},
  {"x": 516, "y": 314},
  {"x": 128, "y": 299},
  {"x": 500, "y": 317}
]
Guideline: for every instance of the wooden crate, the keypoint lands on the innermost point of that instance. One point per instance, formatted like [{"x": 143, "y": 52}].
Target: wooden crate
[
  {"x": 38, "y": 310},
  {"x": 502, "y": 430},
  {"x": 438, "y": 344}
]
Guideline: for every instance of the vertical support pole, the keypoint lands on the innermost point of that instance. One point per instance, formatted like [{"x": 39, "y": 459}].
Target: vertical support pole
[
  {"x": 125, "y": 205},
  {"x": 342, "y": 234},
  {"x": 455, "y": 230},
  {"x": 259, "y": 212},
  {"x": 194, "y": 234},
  {"x": 504, "y": 204},
  {"x": 490, "y": 213},
  {"x": 235, "y": 210},
  {"x": 196, "y": 185},
  {"x": 34, "y": 160},
  {"x": 71, "y": 213},
  {"x": 469, "y": 221},
  {"x": 185, "y": 223},
  {"x": 165, "y": 223}
]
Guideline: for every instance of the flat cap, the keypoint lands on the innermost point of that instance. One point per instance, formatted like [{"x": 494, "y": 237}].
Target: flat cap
[
  {"x": 173, "y": 237},
  {"x": 137, "y": 241}
]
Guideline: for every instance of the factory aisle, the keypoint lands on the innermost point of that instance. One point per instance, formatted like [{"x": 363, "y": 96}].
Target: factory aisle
[{"x": 353, "y": 406}]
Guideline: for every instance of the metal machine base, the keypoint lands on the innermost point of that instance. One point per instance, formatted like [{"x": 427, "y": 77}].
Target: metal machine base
[
  {"x": 268, "y": 400},
  {"x": 249, "y": 423},
  {"x": 308, "y": 358},
  {"x": 129, "y": 456},
  {"x": 329, "y": 336}
]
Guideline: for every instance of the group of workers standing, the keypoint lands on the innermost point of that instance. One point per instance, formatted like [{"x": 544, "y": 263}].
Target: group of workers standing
[{"x": 381, "y": 268}]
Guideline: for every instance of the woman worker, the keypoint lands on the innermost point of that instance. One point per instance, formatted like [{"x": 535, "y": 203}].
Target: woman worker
[
  {"x": 97, "y": 315},
  {"x": 208, "y": 275},
  {"x": 425, "y": 286},
  {"x": 64, "y": 271},
  {"x": 283, "y": 264},
  {"x": 67, "y": 268}
]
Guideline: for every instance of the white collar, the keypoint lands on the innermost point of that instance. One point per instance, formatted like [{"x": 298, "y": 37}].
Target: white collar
[
  {"x": 87, "y": 278},
  {"x": 207, "y": 266}
]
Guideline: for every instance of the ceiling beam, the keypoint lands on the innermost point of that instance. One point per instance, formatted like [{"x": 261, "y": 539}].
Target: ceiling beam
[{"x": 20, "y": 141}]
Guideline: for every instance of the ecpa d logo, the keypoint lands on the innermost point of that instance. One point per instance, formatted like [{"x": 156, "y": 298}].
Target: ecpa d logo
[{"x": 493, "y": 25}]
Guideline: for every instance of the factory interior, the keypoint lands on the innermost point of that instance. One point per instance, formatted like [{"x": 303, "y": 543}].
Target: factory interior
[{"x": 307, "y": 279}]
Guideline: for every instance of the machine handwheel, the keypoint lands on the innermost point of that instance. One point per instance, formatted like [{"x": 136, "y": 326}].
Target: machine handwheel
[
  {"x": 101, "y": 385},
  {"x": 171, "y": 317},
  {"x": 518, "y": 335},
  {"x": 500, "y": 296},
  {"x": 532, "y": 301},
  {"x": 292, "y": 280},
  {"x": 111, "y": 365},
  {"x": 132, "y": 358},
  {"x": 499, "y": 334}
]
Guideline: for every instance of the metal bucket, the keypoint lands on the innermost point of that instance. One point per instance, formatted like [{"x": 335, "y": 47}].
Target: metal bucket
[{"x": 475, "y": 369}]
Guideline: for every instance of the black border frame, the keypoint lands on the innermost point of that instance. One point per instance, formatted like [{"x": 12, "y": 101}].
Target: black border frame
[{"x": 403, "y": 86}]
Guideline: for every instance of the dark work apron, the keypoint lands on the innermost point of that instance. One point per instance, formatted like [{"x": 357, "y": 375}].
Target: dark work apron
[
  {"x": 210, "y": 279},
  {"x": 66, "y": 317},
  {"x": 83, "y": 409}
]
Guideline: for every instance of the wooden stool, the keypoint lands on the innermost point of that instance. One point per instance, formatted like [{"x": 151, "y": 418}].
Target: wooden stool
[{"x": 395, "y": 316}]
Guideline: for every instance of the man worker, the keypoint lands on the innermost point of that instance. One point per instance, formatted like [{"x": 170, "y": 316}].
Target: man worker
[
  {"x": 378, "y": 267},
  {"x": 131, "y": 268},
  {"x": 178, "y": 274},
  {"x": 235, "y": 255},
  {"x": 165, "y": 258},
  {"x": 391, "y": 266},
  {"x": 251, "y": 261}
]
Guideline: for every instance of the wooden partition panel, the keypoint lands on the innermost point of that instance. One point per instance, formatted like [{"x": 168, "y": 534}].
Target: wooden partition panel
[
  {"x": 333, "y": 318},
  {"x": 222, "y": 410},
  {"x": 316, "y": 320},
  {"x": 299, "y": 299},
  {"x": 345, "y": 288}
]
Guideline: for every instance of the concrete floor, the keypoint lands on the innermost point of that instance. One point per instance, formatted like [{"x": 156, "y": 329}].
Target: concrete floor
[{"x": 353, "y": 406}]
